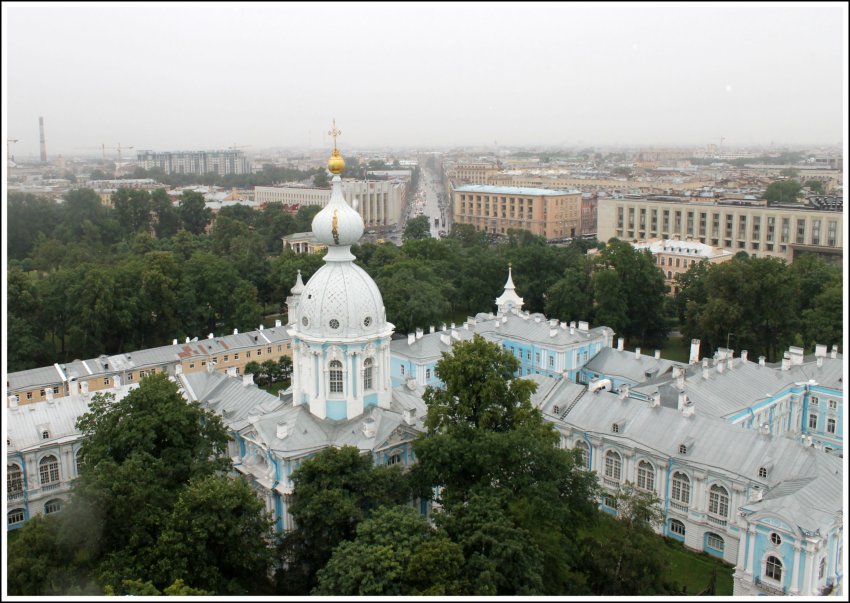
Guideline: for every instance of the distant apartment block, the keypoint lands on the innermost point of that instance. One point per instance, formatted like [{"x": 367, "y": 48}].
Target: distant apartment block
[
  {"x": 553, "y": 214},
  {"x": 761, "y": 230},
  {"x": 589, "y": 208},
  {"x": 379, "y": 202},
  {"x": 473, "y": 173},
  {"x": 195, "y": 162}
]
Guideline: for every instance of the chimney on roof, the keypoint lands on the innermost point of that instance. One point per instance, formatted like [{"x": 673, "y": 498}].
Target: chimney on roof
[
  {"x": 834, "y": 353},
  {"x": 796, "y": 354},
  {"x": 455, "y": 335},
  {"x": 418, "y": 333},
  {"x": 445, "y": 338},
  {"x": 430, "y": 329},
  {"x": 624, "y": 392},
  {"x": 411, "y": 337},
  {"x": 572, "y": 328},
  {"x": 620, "y": 343},
  {"x": 277, "y": 323},
  {"x": 248, "y": 379},
  {"x": 694, "y": 358},
  {"x": 443, "y": 326},
  {"x": 820, "y": 350},
  {"x": 173, "y": 342},
  {"x": 786, "y": 361},
  {"x": 48, "y": 392},
  {"x": 553, "y": 332},
  {"x": 236, "y": 331},
  {"x": 729, "y": 357},
  {"x": 820, "y": 361},
  {"x": 719, "y": 366},
  {"x": 656, "y": 399},
  {"x": 637, "y": 353},
  {"x": 761, "y": 360},
  {"x": 210, "y": 336},
  {"x": 705, "y": 369},
  {"x": 744, "y": 354},
  {"x": 583, "y": 326},
  {"x": 658, "y": 354},
  {"x": 453, "y": 325},
  {"x": 187, "y": 340},
  {"x": 261, "y": 328}
]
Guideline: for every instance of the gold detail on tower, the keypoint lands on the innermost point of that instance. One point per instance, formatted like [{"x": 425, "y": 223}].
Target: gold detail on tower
[{"x": 336, "y": 164}]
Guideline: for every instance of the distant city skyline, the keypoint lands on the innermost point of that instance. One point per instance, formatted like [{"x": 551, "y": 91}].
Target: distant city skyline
[{"x": 170, "y": 77}]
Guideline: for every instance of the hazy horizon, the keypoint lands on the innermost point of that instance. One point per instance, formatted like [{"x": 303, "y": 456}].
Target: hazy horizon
[{"x": 169, "y": 77}]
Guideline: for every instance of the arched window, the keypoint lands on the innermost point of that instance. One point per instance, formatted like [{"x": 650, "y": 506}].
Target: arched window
[
  {"x": 681, "y": 488},
  {"x": 367, "y": 373},
  {"x": 52, "y": 506},
  {"x": 646, "y": 476},
  {"x": 762, "y": 472},
  {"x": 394, "y": 459},
  {"x": 335, "y": 377},
  {"x": 78, "y": 462},
  {"x": 15, "y": 516},
  {"x": 718, "y": 501},
  {"x": 613, "y": 465},
  {"x": 713, "y": 541},
  {"x": 584, "y": 457},
  {"x": 677, "y": 527},
  {"x": 773, "y": 569},
  {"x": 14, "y": 480},
  {"x": 48, "y": 470}
]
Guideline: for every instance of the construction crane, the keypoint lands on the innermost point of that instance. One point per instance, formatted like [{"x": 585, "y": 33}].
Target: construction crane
[
  {"x": 118, "y": 148},
  {"x": 234, "y": 146},
  {"x": 9, "y": 158}
]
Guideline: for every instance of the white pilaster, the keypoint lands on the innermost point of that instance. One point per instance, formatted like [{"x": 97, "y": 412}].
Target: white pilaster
[
  {"x": 751, "y": 538},
  {"x": 793, "y": 585}
]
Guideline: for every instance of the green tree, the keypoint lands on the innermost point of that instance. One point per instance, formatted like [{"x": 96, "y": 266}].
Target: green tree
[
  {"x": 386, "y": 558},
  {"x": 304, "y": 217},
  {"x": 571, "y": 298},
  {"x": 28, "y": 216},
  {"x": 823, "y": 323},
  {"x": 624, "y": 556},
  {"x": 334, "y": 491},
  {"x": 133, "y": 207},
  {"x": 217, "y": 538},
  {"x": 782, "y": 191},
  {"x": 789, "y": 172},
  {"x": 166, "y": 218},
  {"x": 413, "y": 294},
  {"x": 320, "y": 179},
  {"x": 194, "y": 213},
  {"x": 816, "y": 186},
  {"x": 417, "y": 228}
]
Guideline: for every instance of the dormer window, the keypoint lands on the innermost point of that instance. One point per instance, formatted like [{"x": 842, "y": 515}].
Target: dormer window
[
  {"x": 762, "y": 472},
  {"x": 683, "y": 449},
  {"x": 615, "y": 428},
  {"x": 556, "y": 409},
  {"x": 45, "y": 435}
]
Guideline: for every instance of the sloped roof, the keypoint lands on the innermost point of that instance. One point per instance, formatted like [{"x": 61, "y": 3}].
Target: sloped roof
[{"x": 613, "y": 362}]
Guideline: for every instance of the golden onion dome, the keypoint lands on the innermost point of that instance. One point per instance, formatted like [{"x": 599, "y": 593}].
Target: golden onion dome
[{"x": 336, "y": 164}]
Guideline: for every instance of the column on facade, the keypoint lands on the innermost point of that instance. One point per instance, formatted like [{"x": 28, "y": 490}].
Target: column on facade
[
  {"x": 661, "y": 482},
  {"x": 296, "y": 374},
  {"x": 319, "y": 367},
  {"x": 628, "y": 466},
  {"x": 751, "y": 538},
  {"x": 808, "y": 570},
  {"x": 698, "y": 492},
  {"x": 742, "y": 547},
  {"x": 793, "y": 575}
]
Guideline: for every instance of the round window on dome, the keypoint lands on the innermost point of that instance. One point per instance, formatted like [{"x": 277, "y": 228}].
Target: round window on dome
[
  {"x": 334, "y": 323},
  {"x": 367, "y": 321},
  {"x": 304, "y": 321}
]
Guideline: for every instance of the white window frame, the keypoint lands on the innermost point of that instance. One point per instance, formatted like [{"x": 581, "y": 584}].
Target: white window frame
[
  {"x": 646, "y": 476},
  {"x": 613, "y": 465},
  {"x": 48, "y": 471},
  {"x": 367, "y": 374},
  {"x": 680, "y": 490},
  {"x": 335, "y": 378},
  {"x": 674, "y": 527},
  {"x": 718, "y": 501},
  {"x": 773, "y": 567},
  {"x": 711, "y": 536},
  {"x": 14, "y": 478}
]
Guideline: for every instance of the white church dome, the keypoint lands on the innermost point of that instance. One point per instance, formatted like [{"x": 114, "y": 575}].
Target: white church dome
[{"x": 340, "y": 301}]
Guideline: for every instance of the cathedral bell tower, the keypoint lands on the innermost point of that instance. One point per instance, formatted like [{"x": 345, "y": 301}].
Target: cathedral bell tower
[{"x": 340, "y": 335}]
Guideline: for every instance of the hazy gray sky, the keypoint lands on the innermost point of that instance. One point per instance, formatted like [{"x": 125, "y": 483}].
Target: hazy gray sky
[{"x": 168, "y": 76}]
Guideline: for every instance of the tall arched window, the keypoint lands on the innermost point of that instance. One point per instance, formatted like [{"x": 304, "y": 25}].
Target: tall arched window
[
  {"x": 613, "y": 465},
  {"x": 335, "y": 377},
  {"x": 773, "y": 568},
  {"x": 681, "y": 491},
  {"x": 584, "y": 456},
  {"x": 48, "y": 470},
  {"x": 52, "y": 506},
  {"x": 78, "y": 462},
  {"x": 646, "y": 476},
  {"x": 14, "y": 480},
  {"x": 718, "y": 501},
  {"x": 367, "y": 374}
]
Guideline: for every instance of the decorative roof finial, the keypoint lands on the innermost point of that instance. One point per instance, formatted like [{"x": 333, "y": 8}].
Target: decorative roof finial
[{"x": 335, "y": 164}]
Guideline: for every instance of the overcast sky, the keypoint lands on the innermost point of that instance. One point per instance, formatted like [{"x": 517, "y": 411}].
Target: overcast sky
[{"x": 168, "y": 76}]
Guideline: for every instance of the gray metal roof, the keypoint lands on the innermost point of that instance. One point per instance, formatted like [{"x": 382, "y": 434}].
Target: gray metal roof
[
  {"x": 719, "y": 447},
  {"x": 613, "y": 362},
  {"x": 430, "y": 346},
  {"x": 535, "y": 329}
]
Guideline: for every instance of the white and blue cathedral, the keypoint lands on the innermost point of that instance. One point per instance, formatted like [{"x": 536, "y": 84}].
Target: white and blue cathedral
[{"x": 746, "y": 457}]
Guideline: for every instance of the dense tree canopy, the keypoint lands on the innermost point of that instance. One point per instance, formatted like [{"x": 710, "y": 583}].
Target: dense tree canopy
[{"x": 151, "y": 506}]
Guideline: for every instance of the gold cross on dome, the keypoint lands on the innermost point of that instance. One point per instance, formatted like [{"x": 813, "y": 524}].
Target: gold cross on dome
[{"x": 334, "y": 132}]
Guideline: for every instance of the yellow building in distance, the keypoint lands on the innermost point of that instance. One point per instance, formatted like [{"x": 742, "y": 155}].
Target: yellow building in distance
[{"x": 554, "y": 214}]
